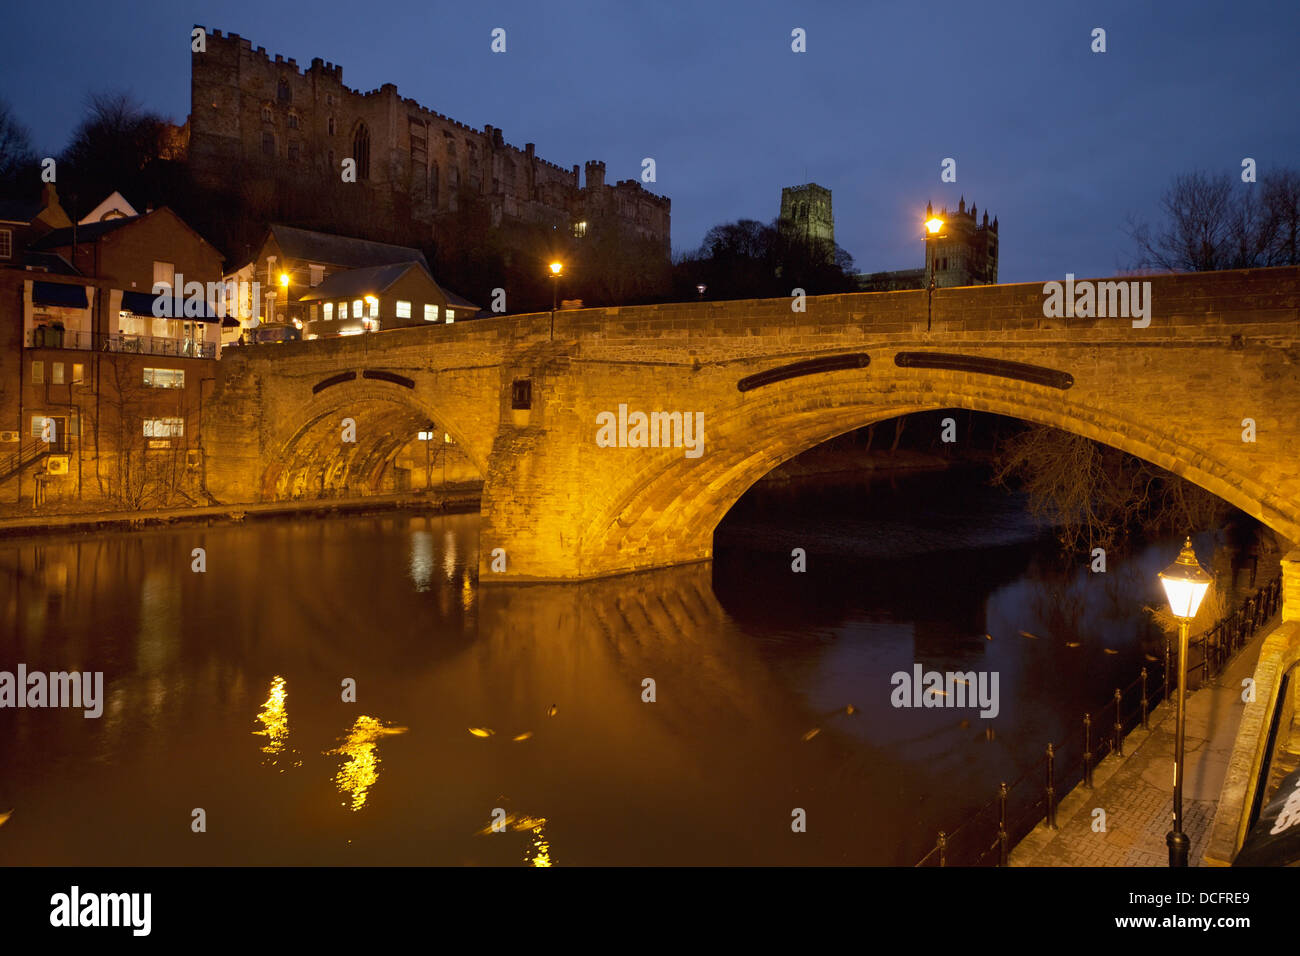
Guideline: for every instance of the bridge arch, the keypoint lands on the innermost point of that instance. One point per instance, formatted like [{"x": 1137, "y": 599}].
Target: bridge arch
[
  {"x": 311, "y": 459},
  {"x": 672, "y": 504}
]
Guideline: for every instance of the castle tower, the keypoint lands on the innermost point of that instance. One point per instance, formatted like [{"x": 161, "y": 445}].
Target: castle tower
[
  {"x": 968, "y": 252},
  {"x": 806, "y": 212}
]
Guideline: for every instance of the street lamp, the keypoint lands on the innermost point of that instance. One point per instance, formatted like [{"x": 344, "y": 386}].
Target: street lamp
[
  {"x": 1185, "y": 583},
  {"x": 556, "y": 269},
  {"x": 933, "y": 230},
  {"x": 700, "y": 289}
]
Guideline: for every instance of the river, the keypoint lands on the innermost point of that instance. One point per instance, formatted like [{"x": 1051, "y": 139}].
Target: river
[{"x": 225, "y": 688}]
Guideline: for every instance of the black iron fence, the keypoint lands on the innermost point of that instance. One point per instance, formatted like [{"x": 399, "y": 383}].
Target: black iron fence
[
  {"x": 985, "y": 836},
  {"x": 52, "y": 338}
]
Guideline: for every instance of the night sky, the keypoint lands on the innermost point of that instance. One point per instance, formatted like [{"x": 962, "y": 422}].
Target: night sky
[{"x": 1061, "y": 143}]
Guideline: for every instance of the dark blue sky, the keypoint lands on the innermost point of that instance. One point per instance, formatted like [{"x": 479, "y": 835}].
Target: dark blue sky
[{"x": 1061, "y": 143}]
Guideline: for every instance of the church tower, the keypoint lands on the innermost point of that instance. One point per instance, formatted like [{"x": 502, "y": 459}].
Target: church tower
[{"x": 806, "y": 212}]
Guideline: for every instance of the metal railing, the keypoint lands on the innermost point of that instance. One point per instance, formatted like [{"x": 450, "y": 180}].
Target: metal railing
[
  {"x": 985, "y": 836},
  {"x": 28, "y": 453},
  {"x": 48, "y": 338}
]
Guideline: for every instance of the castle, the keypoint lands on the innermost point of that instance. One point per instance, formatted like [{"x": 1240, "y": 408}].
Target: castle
[{"x": 261, "y": 119}]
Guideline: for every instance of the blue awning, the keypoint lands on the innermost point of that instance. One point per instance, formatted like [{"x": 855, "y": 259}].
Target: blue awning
[
  {"x": 56, "y": 293},
  {"x": 138, "y": 303},
  {"x": 141, "y": 303}
]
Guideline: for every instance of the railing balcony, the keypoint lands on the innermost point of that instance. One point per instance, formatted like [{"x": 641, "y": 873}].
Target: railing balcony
[{"x": 51, "y": 338}]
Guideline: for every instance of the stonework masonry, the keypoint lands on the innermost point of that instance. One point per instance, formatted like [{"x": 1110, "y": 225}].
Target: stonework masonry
[
  {"x": 522, "y": 403},
  {"x": 265, "y": 116}
]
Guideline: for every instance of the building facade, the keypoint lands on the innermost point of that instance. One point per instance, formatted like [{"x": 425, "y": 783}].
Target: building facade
[
  {"x": 265, "y": 117},
  {"x": 101, "y": 387},
  {"x": 965, "y": 252}
]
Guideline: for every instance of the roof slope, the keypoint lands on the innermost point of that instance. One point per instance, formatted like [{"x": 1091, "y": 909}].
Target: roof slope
[
  {"x": 90, "y": 232},
  {"x": 328, "y": 249},
  {"x": 359, "y": 282}
]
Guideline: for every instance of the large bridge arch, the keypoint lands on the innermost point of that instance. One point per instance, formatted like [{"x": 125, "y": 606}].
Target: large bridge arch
[
  {"x": 680, "y": 502},
  {"x": 309, "y": 457}
]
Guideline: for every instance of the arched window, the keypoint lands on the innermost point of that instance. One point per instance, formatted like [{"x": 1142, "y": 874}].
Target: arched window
[
  {"x": 361, "y": 151},
  {"x": 282, "y": 93},
  {"x": 331, "y": 127}
]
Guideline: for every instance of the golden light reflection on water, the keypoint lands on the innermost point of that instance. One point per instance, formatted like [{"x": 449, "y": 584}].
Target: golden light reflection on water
[
  {"x": 541, "y": 848},
  {"x": 274, "y": 717},
  {"x": 539, "y": 852},
  {"x": 361, "y": 769}
]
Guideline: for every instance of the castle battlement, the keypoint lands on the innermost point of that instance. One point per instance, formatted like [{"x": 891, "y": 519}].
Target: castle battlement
[{"x": 266, "y": 117}]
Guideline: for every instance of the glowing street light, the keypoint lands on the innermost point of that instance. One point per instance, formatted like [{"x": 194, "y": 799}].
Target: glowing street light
[
  {"x": 933, "y": 230},
  {"x": 1186, "y": 584},
  {"x": 556, "y": 268},
  {"x": 284, "y": 279}
]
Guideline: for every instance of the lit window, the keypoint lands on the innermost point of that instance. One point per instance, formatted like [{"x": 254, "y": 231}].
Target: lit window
[
  {"x": 373, "y": 310},
  {"x": 426, "y": 436},
  {"x": 356, "y": 309},
  {"x": 164, "y": 427},
  {"x": 6, "y": 243},
  {"x": 329, "y": 311},
  {"x": 38, "y": 428},
  {"x": 579, "y": 230},
  {"x": 78, "y": 373},
  {"x": 431, "y": 313},
  {"x": 164, "y": 273},
  {"x": 38, "y": 372},
  {"x": 451, "y": 316},
  {"x": 343, "y": 310},
  {"x": 56, "y": 369},
  {"x": 312, "y": 311},
  {"x": 164, "y": 377},
  {"x": 403, "y": 309}
]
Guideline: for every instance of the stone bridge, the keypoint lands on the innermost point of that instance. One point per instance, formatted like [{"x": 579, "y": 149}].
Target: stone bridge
[{"x": 527, "y": 397}]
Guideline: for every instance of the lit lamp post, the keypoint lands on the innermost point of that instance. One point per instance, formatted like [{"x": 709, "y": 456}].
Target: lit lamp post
[
  {"x": 556, "y": 269},
  {"x": 933, "y": 230},
  {"x": 1186, "y": 583},
  {"x": 284, "y": 284},
  {"x": 369, "y": 320}
]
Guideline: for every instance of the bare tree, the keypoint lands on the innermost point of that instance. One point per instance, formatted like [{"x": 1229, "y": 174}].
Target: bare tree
[
  {"x": 15, "y": 150},
  {"x": 1096, "y": 495},
  {"x": 1214, "y": 222},
  {"x": 1282, "y": 200},
  {"x": 131, "y": 473}
]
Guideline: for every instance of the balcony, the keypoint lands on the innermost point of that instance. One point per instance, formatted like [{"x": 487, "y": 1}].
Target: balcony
[{"x": 46, "y": 337}]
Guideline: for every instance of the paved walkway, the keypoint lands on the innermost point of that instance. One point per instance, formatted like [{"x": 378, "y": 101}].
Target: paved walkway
[{"x": 1137, "y": 791}]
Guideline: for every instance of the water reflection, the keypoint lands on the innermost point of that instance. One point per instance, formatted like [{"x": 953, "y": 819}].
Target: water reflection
[
  {"x": 538, "y": 851},
  {"x": 274, "y": 718},
  {"x": 421, "y": 559},
  {"x": 360, "y": 769},
  {"x": 747, "y": 656}
]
